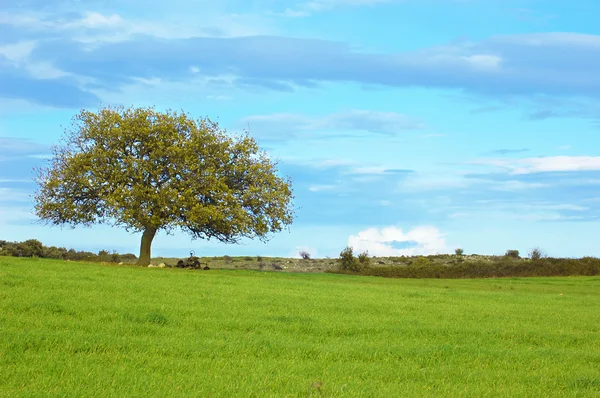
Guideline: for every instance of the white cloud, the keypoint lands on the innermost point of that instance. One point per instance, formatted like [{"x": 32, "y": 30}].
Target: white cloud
[
  {"x": 12, "y": 180},
  {"x": 315, "y": 6},
  {"x": 483, "y": 61},
  {"x": 515, "y": 185},
  {"x": 319, "y": 188},
  {"x": 558, "y": 163},
  {"x": 92, "y": 27},
  {"x": 17, "y": 52},
  {"x": 565, "y": 206},
  {"x": 427, "y": 240},
  {"x": 94, "y": 20},
  {"x": 88, "y": 20},
  {"x": 544, "y": 164}
]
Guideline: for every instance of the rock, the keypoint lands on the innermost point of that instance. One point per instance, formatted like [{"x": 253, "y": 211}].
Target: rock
[{"x": 276, "y": 267}]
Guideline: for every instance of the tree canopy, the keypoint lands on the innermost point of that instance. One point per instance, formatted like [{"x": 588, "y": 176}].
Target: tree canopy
[{"x": 148, "y": 171}]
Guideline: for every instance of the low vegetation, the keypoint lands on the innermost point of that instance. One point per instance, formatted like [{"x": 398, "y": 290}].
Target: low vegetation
[
  {"x": 35, "y": 248},
  {"x": 426, "y": 267},
  {"x": 444, "y": 266},
  {"x": 86, "y": 329}
]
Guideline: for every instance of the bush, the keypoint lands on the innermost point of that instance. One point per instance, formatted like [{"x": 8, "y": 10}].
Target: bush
[
  {"x": 459, "y": 252},
  {"x": 115, "y": 257},
  {"x": 363, "y": 259},
  {"x": 587, "y": 266},
  {"x": 536, "y": 253},
  {"x": 422, "y": 261},
  {"x": 512, "y": 254},
  {"x": 349, "y": 263},
  {"x": 35, "y": 248},
  {"x": 55, "y": 252},
  {"x": 305, "y": 255},
  {"x": 347, "y": 259},
  {"x": 128, "y": 257},
  {"x": 29, "y": 248},
  {"x": 104, "y": 256}
]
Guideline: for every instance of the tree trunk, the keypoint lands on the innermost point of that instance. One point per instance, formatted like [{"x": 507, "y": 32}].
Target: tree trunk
[{"x": 147, "y": 238}]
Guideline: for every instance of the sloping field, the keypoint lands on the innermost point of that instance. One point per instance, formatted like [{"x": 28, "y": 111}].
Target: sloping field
[{"x": 75, "y": 329}]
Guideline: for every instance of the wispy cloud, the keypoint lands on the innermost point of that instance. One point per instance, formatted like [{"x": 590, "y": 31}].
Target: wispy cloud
[
  {"x": 544, "y": 164},
  {"x": 13, "y": 146},
  {"x": 93, "y": 27},
  {"x": 13, "y": 195},
  {"x": 507, "y": 151},
  {"x": 555, "y": 64},
  {"x": 319, "y": 188},
  {"x": 316, "y": 6},
  {"x": 284, "y": 126}
]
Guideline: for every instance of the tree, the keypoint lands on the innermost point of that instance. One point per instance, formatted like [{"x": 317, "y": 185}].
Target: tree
[{"x": 148, "y": 171}]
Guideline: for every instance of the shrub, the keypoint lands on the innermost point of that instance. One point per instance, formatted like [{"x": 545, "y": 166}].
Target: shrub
[
  {"x": 363, "y": 259},
  {"x": 512, "y": 254},
  {"x": 502, "y": 267},
  {"x": 74, "y": 255},
  {"x": 422, "y": 262},
  {"x": 349, "y": 263},
  {"x": 128, "y": 257},
  {"x": 305, "y": 255},
  {"x": 104, "y": 256},
  {"x": 536, "y": 253},
  {"x": 35, "y": 248},
  {"x": 32, "y": 248},
  {"x": 55, "y": 252},
  {"x": 29, "y": 248},
  {"x": 347, "y": 259},
  {"x": 459, "y": 252}
]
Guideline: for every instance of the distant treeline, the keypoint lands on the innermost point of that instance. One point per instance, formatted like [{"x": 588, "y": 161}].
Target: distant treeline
[
  {"x": 35, "y": 248},
  {"x": 453, "y": 267}
]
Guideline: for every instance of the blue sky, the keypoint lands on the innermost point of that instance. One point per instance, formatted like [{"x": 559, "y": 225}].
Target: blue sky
[{"x": 407, "y": 126}]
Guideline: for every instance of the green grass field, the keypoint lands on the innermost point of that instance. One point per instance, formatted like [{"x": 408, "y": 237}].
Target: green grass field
[{"x": 75, "y": 329}]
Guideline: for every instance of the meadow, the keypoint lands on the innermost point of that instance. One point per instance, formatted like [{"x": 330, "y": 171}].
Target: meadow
[{"x": 87, "y": 329}]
